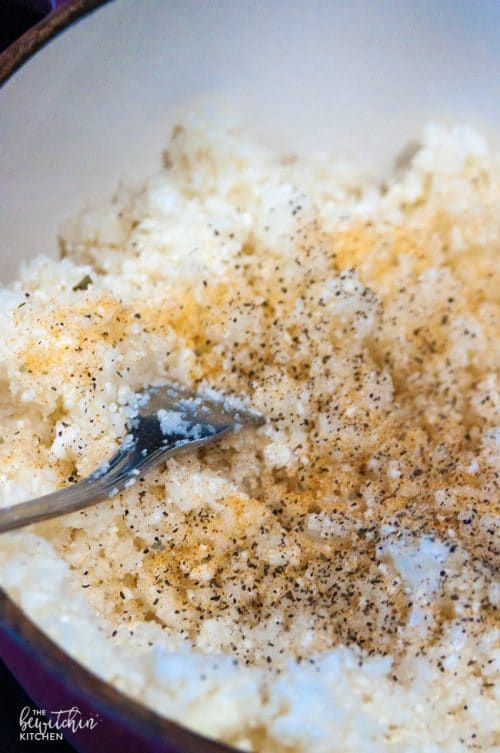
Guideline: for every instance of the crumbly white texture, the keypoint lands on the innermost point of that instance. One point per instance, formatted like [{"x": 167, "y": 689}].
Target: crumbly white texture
[{"x": 326, "y": 582}]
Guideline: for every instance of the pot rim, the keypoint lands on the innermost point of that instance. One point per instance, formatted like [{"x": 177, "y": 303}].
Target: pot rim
[{"x": 56, "y": 21}]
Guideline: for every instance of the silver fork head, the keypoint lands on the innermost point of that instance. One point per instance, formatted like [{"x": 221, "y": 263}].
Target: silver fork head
[
  {"x": 168, "y": 419},
  {"x": 171, "y": 418}
]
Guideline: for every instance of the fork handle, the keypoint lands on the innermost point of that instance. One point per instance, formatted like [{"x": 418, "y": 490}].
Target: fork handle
[{"x": 71, "y": 498}]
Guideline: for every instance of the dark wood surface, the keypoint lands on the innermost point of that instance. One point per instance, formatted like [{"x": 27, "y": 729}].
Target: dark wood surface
[
  {"x": 16, "y": 18},
  {"x": 14, "y": 699}
]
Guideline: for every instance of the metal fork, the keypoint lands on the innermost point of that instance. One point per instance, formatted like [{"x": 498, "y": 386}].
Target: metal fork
[{"x": 170, "y": 419}]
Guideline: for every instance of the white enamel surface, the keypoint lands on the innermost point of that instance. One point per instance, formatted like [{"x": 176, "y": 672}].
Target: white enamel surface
[{"x": 357, "y": 77}]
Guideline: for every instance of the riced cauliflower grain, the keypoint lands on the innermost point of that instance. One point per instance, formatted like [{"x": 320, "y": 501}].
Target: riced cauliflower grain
[{"x": 324, "y": 583}]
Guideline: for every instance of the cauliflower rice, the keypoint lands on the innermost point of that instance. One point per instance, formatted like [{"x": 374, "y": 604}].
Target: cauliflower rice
[{"x": 327, "y": 582}]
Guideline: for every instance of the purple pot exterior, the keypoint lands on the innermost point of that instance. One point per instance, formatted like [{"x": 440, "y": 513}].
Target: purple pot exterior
[
  {"x": 42, "y": 6},
  {"x": 49, "y": 691},
  {"x": 56, "y": 682}
]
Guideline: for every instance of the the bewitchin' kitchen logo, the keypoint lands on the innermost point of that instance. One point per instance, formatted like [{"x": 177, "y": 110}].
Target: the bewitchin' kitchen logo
[{"x": 37, "y": 724}]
